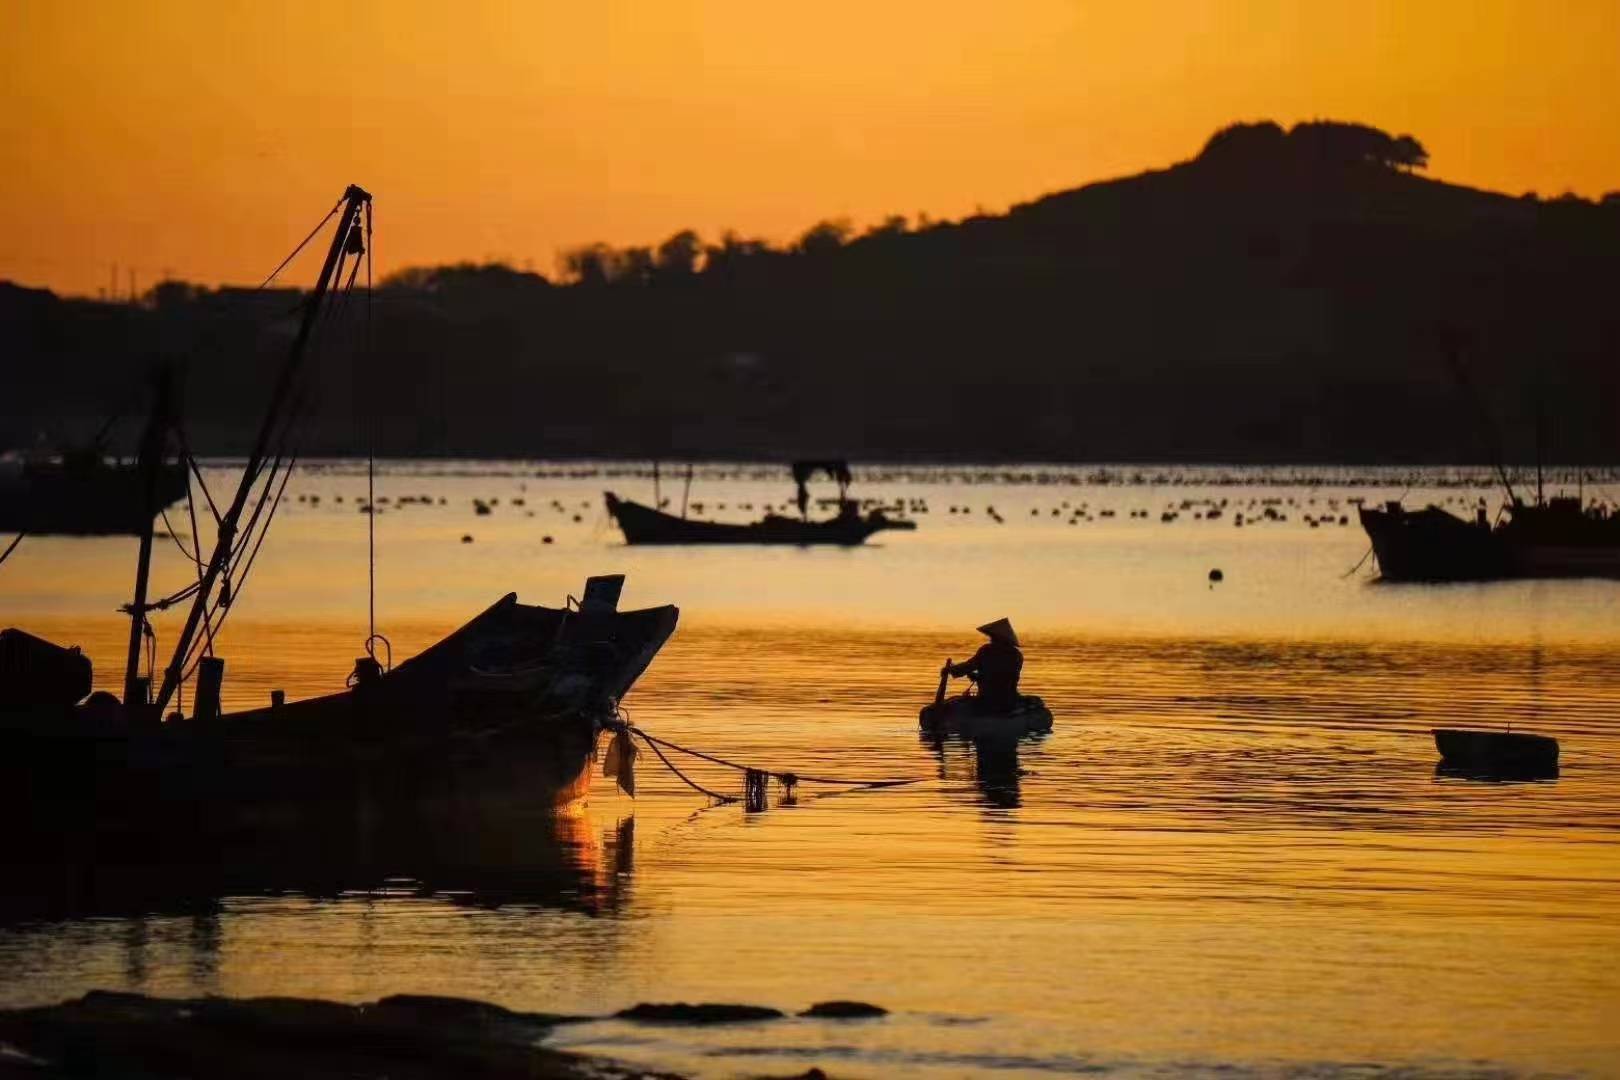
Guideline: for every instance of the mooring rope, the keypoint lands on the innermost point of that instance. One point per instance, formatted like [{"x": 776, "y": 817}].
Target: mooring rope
[
  {"x": 1359, "y": 561},
  {"x": 693, "y": 784},
  {"x": 783, "y": 777}
]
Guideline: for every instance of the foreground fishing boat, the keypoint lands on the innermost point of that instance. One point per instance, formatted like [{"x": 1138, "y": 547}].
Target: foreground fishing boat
[
  {"x": 1497, "y": 753},
  {"x": 504, "y": 712},
  {"x": 649, "y": 525}
]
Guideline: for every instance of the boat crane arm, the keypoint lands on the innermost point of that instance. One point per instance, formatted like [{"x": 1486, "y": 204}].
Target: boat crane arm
[{"x": 355, "y": 199}]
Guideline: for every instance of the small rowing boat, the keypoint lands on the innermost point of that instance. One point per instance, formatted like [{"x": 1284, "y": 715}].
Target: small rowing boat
[{"x": 964, "y": 714}]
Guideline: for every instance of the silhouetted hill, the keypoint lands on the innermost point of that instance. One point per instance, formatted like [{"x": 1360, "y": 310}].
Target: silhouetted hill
[{"x": 1281, "y": 297}]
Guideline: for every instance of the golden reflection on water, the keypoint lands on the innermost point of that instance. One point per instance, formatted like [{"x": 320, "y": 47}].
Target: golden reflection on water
[{"x": 1234, "y": 848}]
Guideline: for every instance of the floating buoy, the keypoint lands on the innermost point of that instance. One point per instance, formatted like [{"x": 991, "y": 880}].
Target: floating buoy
[
  {"x": 466, "y": 538},
  {"x": 545, "y": 540},
  {"x": 1216, "y": 575}
]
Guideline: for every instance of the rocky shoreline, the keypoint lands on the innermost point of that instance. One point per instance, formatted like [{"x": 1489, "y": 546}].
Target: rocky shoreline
[{"x": 403, "y": 1037}]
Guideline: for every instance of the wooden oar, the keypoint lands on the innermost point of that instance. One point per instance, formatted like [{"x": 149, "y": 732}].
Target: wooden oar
[{"x": 944, "y": 679}]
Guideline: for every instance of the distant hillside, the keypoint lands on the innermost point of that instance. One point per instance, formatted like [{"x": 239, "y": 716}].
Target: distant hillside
[{"x": 1283, "y": 296}]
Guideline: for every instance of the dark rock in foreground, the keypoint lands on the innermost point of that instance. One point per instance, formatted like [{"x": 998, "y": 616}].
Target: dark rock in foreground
[
  {"x": 704, "y": 1013},
  {"x": 844, "y": 1010},
  {"x": 401, "y": 1038}
]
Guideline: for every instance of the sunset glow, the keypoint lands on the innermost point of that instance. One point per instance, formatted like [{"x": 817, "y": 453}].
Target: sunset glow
[{"x": 201, "y": 140}]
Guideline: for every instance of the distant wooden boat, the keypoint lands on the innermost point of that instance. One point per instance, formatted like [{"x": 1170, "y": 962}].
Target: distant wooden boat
[
  {"x": 1497, "y": 752},
  {"x": 1538, "y": 537},
  {"x": 1433, "y": 545},
  {"x": 645, "y": 525},
  {"x": 963, "y": 715},
  {"x": 1544, "y": 539},
  {"x": 505, "y": 712},
  {"x": 81, "y": 493}
]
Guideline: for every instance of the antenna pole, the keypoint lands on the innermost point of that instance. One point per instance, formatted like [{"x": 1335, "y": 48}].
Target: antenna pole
[{"x": 136, "y": 691}]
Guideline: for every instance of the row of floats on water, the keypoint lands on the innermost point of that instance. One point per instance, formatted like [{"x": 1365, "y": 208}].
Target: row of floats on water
[{"x": 1255, "y": 511}]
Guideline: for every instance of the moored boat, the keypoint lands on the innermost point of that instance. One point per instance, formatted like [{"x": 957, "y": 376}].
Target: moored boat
[
  {"x": 849, "y": 527},
  {"x": 1433, "y": 545},
  {"x": 504, "y": 712},
  {"x": 80, "y": 493},
  {"x": 1506, "y": 753},
  {"x": 644, "y": 525},
  {"x": 1545, "y": 539}
]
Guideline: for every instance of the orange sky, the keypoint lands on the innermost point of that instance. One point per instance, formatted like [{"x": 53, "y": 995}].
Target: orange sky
[{"x": 204, "y": 138}]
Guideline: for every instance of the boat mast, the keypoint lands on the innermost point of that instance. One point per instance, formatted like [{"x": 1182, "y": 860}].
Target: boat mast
[
  {"x": 136, "y": 689},
  {"x": 354, "y": 200},
  {"x": 1493, "y": 441},
  {"x": 1538, "y": 443}
]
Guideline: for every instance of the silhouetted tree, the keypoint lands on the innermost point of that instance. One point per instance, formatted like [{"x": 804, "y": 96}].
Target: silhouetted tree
[
  {"x": 1409, "y": 153},
  {"x": 732, "y": 253},
  {"x": 680, "y": 253},
  {"x": 633, "y": 264},
  {"x": 893, "y": 225},
  {"x": 823, "y": 237},
  {"x": 592, "y": 264},
  {"x": 1245, "y": 141},
  {"x": 1335, "y": 142}
]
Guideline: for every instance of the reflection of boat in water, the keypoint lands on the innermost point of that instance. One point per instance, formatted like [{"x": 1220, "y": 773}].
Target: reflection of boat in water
[
  {"x": 650, "y": 525},
  {"x": 561, "y": 861},
  {"x": 1555, "y": 538},
  {"x": 963, "y": 714},
  {"x": 1497, "y": 753},
  {"x": 80, "y": 493},
  {"x": 996, "y": 769}
]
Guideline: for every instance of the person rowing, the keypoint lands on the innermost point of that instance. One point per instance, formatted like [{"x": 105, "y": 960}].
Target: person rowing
[{"x": 995, "y": 668}]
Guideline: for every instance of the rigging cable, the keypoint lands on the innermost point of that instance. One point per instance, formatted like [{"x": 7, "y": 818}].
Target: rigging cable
[
  {"x": 168, "y": 526},
  {"x": 196, "y": 545},
  {"x": 12, "y": 546},
  {"x": 301, "y": 245},
  {"x": 195, "y": 470},
  {"x": 241, "y": 580},
  {"x": 371, "y": 467}
]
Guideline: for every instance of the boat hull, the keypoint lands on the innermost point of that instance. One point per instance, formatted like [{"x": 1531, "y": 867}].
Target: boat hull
[
  {"x": 1432, "y": 545},
  {"x": 501, "y": 716},
  {"x": 1506, "y": 753},
  {"x": 83, "y": 500},
  {"x": 1552, "y": 541},
  {"x": 644, "y": 525},
  {"x": 962, "y": 715}
]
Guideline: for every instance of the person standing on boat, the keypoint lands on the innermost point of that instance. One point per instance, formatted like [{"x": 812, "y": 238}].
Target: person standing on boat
[{"x": 995, "y": 667}]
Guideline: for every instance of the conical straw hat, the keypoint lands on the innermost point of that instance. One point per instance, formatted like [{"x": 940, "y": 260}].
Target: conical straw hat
[{"x": 1000, "y": 630}]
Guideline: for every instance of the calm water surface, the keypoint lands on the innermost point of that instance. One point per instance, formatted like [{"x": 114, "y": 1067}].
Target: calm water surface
[{"x": 1233, "y": 853}]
